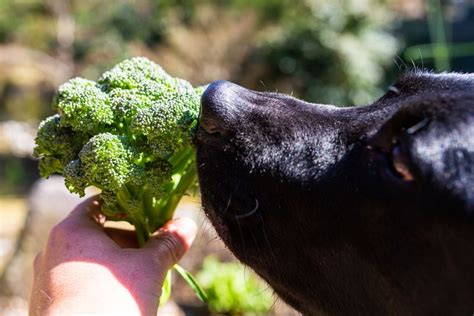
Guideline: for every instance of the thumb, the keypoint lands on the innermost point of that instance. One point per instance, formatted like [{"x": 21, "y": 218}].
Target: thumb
[{"x": 172, "y": 241}]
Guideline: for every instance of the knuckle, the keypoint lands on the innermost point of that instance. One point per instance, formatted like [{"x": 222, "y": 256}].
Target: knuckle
[
  {"x": 169, "y": 246},
  {"x": 59, "y": 232}
]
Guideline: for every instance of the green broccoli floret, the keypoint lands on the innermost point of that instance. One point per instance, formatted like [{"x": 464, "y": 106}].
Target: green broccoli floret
[
  {"x": 129, "y": 134},
  {"x": 74, "y": 177},
  {"x": 133, "y": 73},
  {"x": 84, "y": 106},
  {"x": 56, "y": 145},
  {"x": 168, "y": 131},
  {"x": 108, "y": 161}
]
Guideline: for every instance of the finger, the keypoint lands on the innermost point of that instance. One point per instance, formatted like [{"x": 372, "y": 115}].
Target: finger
[
  {"x": 38, "y": 261},
  {"x": 88, "y": 213},
  {"x": 172, "y": 241},
  {"x": 85, "y": 220},
  {"x": 88, "y": 216},
  {"x": 123, "y": 238}
]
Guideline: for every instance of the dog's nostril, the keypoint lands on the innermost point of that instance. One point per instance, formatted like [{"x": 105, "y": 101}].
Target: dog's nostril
[
  {"x": 209, "y": 126},
  {"x": 217, "y": 106}
]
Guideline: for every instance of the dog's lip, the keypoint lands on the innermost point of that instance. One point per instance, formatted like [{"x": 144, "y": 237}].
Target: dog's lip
[{"x": 228, "y": 198}]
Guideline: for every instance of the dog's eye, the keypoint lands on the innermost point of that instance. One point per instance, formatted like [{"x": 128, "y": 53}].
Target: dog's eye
[{"x": 401, "y": 162}]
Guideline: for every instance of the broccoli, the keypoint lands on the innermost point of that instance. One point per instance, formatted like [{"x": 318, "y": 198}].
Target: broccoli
[{"x": 128, "y": 134}]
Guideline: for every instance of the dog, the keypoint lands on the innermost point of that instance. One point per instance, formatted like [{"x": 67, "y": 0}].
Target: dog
[{"x": 347, "y": 211}]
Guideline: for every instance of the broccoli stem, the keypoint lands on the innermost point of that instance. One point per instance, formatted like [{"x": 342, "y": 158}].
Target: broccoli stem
[
  {"x": 188, "y": 178},
  {"x": 153, "y": 214},
  {"x": 184, "y": 175},
  {"x": 136, "y": 218},
  {"x": 142, "y": 233}
]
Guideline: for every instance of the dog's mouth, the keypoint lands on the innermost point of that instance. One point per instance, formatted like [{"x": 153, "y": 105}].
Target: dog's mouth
[
  {"x": 224, "y": 182},
  {"x": 224, "y": 179}
]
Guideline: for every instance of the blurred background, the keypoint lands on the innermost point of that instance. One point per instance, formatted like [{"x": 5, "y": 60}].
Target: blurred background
[{"x": 328, "y": 51}]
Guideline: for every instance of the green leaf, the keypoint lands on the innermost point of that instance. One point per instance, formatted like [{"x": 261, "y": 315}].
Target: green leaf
[
  {"x": 192, "y": 283},
  {"x": 166, "y": 289}
]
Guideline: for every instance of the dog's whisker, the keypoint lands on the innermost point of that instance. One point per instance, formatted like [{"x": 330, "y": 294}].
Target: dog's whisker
[
  {"x": 201, "y": 224},
  {"x": 418, "y": 126},
  {"x": 404, "y": 64},
  {"x": 421, "y": 57},
  {"x": 230, "y": 198},
  {"x": 413, "y": 63},
  {"x": 228, "y": 203},
  {"x": 241, "y": 236},
  {"x": 211, "y": 240},
  {"x": 397, "y": 64},
  {"x": 248, "y": 214},
  {"x": 275, "y": 300},
  {"x": 267, "y": 241},
  {"x": 257, "y": 246}
]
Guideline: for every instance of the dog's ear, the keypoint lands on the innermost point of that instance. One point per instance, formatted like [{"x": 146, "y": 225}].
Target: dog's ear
[{"x": 430, "y": 141}]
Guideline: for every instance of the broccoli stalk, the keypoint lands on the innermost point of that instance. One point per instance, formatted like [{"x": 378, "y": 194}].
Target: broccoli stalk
[
  {"x": 145, "y": 211},
  {"x": 128, "y": 134}
]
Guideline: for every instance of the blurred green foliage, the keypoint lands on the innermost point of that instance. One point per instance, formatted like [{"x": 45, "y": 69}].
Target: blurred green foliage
[
  {"x": 326, "y": 51},
  {"x": 233, "y": 289},
  {"x": 16, "y": 174},
  {"x": 445, "y": 48},
  {"x": 331, "y": 51},
  {"x": 320, "y": 50}
]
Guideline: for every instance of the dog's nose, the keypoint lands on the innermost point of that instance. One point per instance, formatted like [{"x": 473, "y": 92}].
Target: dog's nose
[{"x": 219, "y": 105}]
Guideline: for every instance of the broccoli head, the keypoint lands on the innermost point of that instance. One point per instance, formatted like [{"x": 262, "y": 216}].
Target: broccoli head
[
  {"x": 84, "y": 106},
  {"x": 168, "y": 131},
  {"x": 105, "y": 161},
  {"x": 128, "y": 134}
]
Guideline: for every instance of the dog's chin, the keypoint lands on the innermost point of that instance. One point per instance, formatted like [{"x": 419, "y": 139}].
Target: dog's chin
[
  {"x": 227, "y": 193},
  {"x": 226, "y": 199},
  {"x": 232, "y": 226},
  {"x": 216, "y": 179}
]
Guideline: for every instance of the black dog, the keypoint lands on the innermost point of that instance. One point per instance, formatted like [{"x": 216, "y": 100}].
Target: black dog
[{"x": 348, "y": 211}]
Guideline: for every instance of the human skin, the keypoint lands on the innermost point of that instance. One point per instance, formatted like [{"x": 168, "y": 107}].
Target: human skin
[{"x": 88, "y": 269}]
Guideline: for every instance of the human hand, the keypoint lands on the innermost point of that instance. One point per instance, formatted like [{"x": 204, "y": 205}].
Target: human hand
[{"x": 86, "y": 268}]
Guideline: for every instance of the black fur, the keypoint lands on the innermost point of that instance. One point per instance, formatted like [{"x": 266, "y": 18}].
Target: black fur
[{"x": 311, "y": 198}]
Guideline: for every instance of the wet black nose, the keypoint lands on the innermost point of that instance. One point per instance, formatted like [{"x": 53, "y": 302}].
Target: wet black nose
[{"x": 219, "y": 106}]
